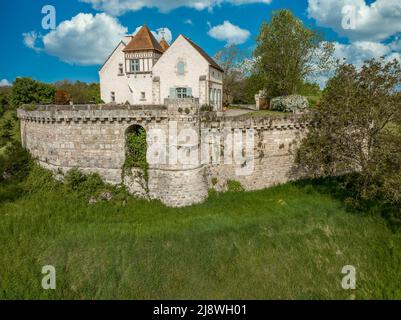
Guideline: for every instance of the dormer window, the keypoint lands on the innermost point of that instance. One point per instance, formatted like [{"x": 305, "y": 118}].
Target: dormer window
[
  {"x": 135, "y": 65},
  {"x": 181, "y": 68}
]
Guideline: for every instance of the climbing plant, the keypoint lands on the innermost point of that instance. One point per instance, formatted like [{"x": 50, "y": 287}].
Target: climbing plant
[{"x": 136, "y": 150}]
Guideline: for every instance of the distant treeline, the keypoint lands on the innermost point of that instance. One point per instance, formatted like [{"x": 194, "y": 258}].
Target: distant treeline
[{"x": 29, "y": 91}]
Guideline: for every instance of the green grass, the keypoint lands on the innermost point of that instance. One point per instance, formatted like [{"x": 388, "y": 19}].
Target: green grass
[{"x": 286, "y": 242}]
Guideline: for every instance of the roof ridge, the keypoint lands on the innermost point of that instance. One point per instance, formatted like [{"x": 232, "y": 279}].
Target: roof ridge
[{"x": 203, "y": 53}]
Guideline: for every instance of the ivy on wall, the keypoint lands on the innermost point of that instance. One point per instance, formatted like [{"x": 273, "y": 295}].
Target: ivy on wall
[{"x": 136, "y": 150}]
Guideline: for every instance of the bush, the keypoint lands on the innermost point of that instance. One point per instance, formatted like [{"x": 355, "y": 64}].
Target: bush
[
  {"x": 206, "y": 108},
  {"x": 39, "y": 179},
  {"x": 85, "y": 185},
  {"x": 15, "y": 162},
  {"x": 234, "y": 186}
]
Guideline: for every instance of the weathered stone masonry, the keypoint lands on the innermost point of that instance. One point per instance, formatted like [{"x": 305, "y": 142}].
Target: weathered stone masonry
[{"x": 92, "y": 139}]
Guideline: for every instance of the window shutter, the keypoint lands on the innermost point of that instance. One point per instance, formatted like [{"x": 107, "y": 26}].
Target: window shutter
[
  {"x": 189, "y": 92},
  {"x": 172, "y": 93}
]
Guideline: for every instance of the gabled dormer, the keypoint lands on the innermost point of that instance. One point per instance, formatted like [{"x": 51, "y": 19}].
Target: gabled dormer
[{"x": 142, "y": 52}]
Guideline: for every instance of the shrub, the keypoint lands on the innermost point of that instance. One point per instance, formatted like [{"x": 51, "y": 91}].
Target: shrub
[
  {"x": 85, "y": 185},
  {"x": 234, "y": 186},
  {"x": 15, "y": 162},
  {"x": 39, "y": 179},
  {"x": 206, "y": 108}
]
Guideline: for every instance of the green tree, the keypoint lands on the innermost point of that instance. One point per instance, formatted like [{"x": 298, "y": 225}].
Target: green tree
[
  {"x": 288, "y": 53},
  {"x": 4, "y": 99},
  {"x": 28, "y": 91},
  {"x": 80, "y": 92},
  {"x": 358, "y": 129}
]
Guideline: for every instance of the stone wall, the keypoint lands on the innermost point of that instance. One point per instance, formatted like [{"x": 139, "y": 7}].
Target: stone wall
[
  {"x": 272, "y": 153},
  {"x": 92, "y": 139}
]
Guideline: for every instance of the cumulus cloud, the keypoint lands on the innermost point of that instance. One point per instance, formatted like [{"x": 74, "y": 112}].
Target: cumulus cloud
[
  {"x": 119, "y": 7},
  {"x": 357, "y": 53},
  {"x": 372, "y": 22},
  {"x": 229, "y": 33},
  {"x": 4, "y": 83},
  {"x": 360, "y": 51},
  {"x": 189, "y": 21},
  {"x": 86, "y": 39},
  {"x": 372, "y": 29}
]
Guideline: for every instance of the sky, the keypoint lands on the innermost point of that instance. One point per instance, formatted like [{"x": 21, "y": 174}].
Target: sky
[{"x": 52, "y": 40}]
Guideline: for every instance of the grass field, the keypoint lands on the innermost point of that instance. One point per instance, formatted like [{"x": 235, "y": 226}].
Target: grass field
[{"x": 286, "y": 242}]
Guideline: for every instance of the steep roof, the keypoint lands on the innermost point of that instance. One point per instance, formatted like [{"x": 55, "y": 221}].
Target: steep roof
[
  {"x": 164, "y": 44},
  {"x": 143, "y": 40},
  {"x": 204, "y": 54}
]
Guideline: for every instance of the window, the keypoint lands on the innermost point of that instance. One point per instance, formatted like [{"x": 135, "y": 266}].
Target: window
[
  {"x": 181, "y": 93},
  {"x": 143, "y": 96},
  {"x": 113, "y": 96},
  {"x": 181, "y": 68},
  {"x": 135, "y": 65},
  {"x": 120, "y": 69}
]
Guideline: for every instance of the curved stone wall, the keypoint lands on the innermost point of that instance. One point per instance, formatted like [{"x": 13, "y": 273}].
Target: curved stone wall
[{"x": 92, "y": 139}]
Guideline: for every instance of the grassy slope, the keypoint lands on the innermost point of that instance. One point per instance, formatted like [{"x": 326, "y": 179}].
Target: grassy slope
[{"x": 284, "y": 242}]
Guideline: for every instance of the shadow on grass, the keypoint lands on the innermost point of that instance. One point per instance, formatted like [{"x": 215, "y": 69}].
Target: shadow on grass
[{"x": 346, "y": 189}]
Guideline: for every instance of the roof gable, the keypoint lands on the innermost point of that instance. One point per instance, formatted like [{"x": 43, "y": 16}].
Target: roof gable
[
  {"x": 143, "y": 40},
  {"x": 208, "y": 58},
  {"x": 111, "y": 54}
]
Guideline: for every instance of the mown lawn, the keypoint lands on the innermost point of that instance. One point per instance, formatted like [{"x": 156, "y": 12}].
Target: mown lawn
[{"x": 286, "y": 242}]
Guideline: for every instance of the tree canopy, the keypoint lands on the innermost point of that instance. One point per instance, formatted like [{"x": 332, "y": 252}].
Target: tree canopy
[
  {"x": 288, "y": 54},
  {"x": 27, "y": 90},
  {"x": 358, "y": 129}
]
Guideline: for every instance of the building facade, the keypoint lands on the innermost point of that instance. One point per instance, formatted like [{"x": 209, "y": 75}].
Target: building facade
[{"x": 143, "y": 71}]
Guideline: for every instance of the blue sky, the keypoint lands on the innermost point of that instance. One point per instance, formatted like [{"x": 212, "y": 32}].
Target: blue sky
[{"x": 87, "y": 30}]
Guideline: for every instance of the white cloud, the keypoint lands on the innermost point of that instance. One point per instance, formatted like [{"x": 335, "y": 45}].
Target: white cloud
[
  {"x": 357, "y": 53},
  {"x": 374, "y": 22},
  {"x": 86, "y": 39},
  {"x": 230, "y": 33},
  {"x": 373, "y": 29},
  {"x": 4, "y": 83},
  {"x": 189, "y": 21},
  {"x": 119, "y": 7},
  {"x": 30, "y": 40},
  {"x": 159, "y": 33}
]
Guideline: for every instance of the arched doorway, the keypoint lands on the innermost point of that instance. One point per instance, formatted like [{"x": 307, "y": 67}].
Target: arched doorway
[{"x": 135, "y": 169}]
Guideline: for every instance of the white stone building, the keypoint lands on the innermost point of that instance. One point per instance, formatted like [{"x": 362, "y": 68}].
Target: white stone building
[{"x": 142, "y": 71}]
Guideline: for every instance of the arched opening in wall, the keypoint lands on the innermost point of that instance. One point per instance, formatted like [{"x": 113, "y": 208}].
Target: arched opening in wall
[{"x": 135, "y": 169}]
